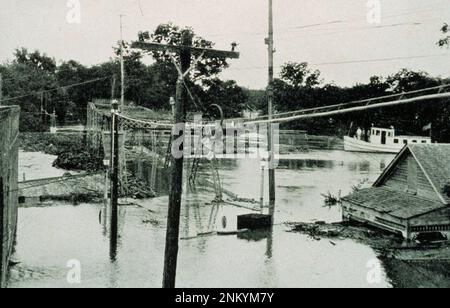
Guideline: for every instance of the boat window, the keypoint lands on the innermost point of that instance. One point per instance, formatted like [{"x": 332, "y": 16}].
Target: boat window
[
  {"x": 378, "y": 132},
  {"x": 396, "y": 140},
  {"x": 405, "y": 141},
  {"x": 414, "y": 141},
  {"x": 424, "y": 141}
]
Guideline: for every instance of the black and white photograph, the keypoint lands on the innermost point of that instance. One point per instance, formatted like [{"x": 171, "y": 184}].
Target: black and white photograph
[{"x": 224, "y": 149}]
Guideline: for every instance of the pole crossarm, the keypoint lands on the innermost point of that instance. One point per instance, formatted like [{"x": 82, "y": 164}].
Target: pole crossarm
[{"x": 196, "y": 51}]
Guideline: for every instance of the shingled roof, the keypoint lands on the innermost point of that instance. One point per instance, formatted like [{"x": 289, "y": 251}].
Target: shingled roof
[
  {"x": 395, "y": 203},
  {"x": 433, "y": 159}
]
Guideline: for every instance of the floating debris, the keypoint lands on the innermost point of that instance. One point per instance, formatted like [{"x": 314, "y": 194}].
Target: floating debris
[{"x": 331, "y": 200}]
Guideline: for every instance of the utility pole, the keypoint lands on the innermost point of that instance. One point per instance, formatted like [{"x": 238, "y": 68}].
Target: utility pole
[
  {"x": 122, "y": 66},
  {"x": 185, "y": 51},
  {"x": 270, "y": 95},
  {"x": 114, "y": 179},
  {"x": 2, "y": 212},
  {"x": 176, "y": 187},
  {"x": 1, "y": 89},
  {"x": 113, "y": 88}
]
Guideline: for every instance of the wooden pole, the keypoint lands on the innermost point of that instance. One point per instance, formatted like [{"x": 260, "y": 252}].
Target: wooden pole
[
  {"x": 2, "y": 211},
  {"x": 113, "y": 88},
  {"x": 1, "y": 88},
  {"x": 114, "y": 180},
  {"x": 270, "y": 95},
  {"x": 263, "y": 170},
  {"x": 173, "y": 221},
  {"x": 176, "y": 184},
  {"x": 122, "y": 66}
]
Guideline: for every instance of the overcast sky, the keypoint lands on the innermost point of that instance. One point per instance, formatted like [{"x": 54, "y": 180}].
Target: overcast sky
[{"x": 408, "y": 28}]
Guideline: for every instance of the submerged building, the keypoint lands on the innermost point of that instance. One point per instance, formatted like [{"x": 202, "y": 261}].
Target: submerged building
[{"x": 411, "y": 197}]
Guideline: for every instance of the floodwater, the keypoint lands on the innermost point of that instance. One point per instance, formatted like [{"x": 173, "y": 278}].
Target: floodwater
[
  {"x": 50, "y": 240},
  {"x": 33, "y": 166}
]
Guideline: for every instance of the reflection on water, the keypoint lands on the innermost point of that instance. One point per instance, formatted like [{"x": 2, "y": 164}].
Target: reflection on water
[{"x": 49, "y": 237}]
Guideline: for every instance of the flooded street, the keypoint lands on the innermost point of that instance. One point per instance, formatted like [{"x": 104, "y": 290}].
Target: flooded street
[{"x": 49, "y": 237}]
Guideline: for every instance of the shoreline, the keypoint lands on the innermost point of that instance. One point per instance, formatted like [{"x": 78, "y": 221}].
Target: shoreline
[{"x": 386, "y": 245}]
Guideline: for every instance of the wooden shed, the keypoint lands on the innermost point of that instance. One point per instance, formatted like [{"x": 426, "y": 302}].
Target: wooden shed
[{"x": 412, "y": 196}]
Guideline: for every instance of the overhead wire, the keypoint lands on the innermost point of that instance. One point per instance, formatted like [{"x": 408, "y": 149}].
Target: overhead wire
[{"x": 54, "y": 89}]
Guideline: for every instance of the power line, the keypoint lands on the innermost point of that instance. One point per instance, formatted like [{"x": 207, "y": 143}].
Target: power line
[
  {"x": 310, "y": 27},
  {"x": 440, "y": 87},
  {"x": 55, "y": 73},
  {"x": 140, "y": 7},
  {"x": 350, "y": 61},
  {"x": 57, "y": 88},
  {"x": 380, "y": 60},
  {"x": 338, "y": 110},
  {"x": 353, "y": 29},
  {"x": 59, "y": 180}
]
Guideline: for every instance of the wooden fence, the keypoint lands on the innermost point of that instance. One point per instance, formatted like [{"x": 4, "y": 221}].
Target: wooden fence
[{"x": 294, "y": 140}]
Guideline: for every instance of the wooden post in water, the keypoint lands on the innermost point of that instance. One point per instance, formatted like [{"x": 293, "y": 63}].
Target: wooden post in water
[
  {"x": 270, "y": 95},
  {"x": 176, "y": 176},
  {"x": 114, "y": 180},
  {"x": 185, "y": 50},
  {"x": 263, "y": 170},
  {"x": 1, "y": 89},
  {"x": 2, "y": 227}
]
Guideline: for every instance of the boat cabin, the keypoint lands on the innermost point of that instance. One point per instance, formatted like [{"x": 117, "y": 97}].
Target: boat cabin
[
  {"x": 411, "y": 197},
  {"x": 385, "y": 136}
]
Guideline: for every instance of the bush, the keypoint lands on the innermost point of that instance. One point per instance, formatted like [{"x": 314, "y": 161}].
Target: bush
[
  {"x": 70, "y": 150},
  {"x": 76, "y": 160}
]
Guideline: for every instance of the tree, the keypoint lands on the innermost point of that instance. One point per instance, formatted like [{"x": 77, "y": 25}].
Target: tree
[
  {"x": 203, "y": 81},
  {"x": 205, "y": 67},
  {"x": 227, "y": 94},
  {"x": 72, "y": 102},
  {"x": 36, "y": 59},
  {"x": 29, "y": 86},
  {"x": 299, "y": 75}
]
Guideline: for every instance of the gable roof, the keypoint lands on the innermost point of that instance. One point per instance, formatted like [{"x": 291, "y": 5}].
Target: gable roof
[
  {"x": 433, "y": 159},
  {"x": 395, "y": 203}
]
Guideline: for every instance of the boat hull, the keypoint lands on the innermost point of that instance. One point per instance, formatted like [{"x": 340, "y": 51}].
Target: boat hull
[{"x": 355, "y": 145}]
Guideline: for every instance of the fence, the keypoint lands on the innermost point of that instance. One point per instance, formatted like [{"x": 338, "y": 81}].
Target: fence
[
  {"x": 9, "y": 147},
  {"x": 294, "y": 140},
  {"x": 143, "y": 146}
]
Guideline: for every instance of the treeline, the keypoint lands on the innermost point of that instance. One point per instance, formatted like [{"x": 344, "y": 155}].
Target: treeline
[
  {"x": 38, "y": 83},
  {"x": 300, "y": 88}
]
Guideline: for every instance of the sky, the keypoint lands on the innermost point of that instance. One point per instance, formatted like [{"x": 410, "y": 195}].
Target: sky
[{"x": 334, "y": 36}]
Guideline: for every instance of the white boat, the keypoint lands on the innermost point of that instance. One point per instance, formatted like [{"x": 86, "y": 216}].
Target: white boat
[{"x": 382, "y": 140}]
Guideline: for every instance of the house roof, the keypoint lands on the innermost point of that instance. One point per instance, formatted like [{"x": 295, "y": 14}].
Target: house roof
[
  {"x": 433, "y": 159},
  {"x": 435, "y": 162},
  {"x": 395, "y": 203}
]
